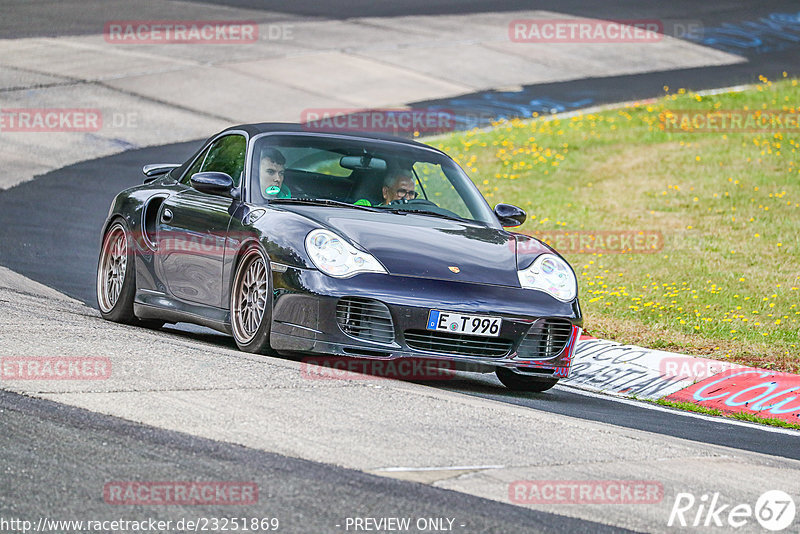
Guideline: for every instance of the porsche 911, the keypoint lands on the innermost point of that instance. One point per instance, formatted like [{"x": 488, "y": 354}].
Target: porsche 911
[{"x": 343, "y": 244}]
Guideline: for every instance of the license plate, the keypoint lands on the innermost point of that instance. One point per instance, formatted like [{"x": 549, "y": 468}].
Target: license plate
[{"x": 460, "y": 323}]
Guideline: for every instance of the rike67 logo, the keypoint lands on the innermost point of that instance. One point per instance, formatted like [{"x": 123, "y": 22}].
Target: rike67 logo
[{"x": 774, "y": 510}]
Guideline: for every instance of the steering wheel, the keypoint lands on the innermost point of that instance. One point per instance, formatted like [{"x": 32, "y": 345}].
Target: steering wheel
[{"x": 413, "y": 202}]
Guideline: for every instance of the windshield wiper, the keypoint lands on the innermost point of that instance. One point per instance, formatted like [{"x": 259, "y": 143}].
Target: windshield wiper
[
  {"x": 329, "y": 202},
  {"x": 321, "y": 202},
  {"x": 431, "y": 213}
]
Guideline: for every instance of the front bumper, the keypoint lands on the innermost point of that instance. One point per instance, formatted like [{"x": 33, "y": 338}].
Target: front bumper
[{"x": 304, "y": 317}]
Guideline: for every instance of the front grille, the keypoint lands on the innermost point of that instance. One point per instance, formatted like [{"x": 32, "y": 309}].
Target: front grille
[
  {"x": 546, "y": 339},
  {"x": 447, "y": 343},
  {"x": 365, "y": 319}
]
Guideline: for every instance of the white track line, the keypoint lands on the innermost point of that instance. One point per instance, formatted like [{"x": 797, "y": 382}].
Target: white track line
[{"x": 445, "y": 468}]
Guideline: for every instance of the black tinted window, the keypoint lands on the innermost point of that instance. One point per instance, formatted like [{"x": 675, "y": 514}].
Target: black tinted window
[
  {"x": 227, "y": 155},
  {"x": 195, "y": 168},
  {"x": 366, "y": 172}
]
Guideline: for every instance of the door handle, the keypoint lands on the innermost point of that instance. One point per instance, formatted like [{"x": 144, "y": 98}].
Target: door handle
[{"x": 166, "y": 216}]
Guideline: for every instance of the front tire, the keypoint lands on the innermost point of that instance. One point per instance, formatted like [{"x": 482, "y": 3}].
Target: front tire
[
  {"x": 116, "y": 275},
  {"x": 251, "y": 306},
  {"x": 519, "y": 382},
  {"x": 116, "y": 279}
]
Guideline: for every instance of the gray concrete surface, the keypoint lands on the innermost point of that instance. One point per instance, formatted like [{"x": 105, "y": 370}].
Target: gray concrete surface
[
  {"x": 58, "y": 459},
  {"x": 155, "y": 94}
]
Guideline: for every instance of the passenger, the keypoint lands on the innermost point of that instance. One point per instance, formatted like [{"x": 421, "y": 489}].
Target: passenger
[
  {"x": 399, "y": 185},
  {"x": 271, "y": 173}
]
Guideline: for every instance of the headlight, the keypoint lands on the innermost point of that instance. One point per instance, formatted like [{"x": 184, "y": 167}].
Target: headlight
[
  {"x": 550, "y": 274},
  {"x": 336, "y": 257}
]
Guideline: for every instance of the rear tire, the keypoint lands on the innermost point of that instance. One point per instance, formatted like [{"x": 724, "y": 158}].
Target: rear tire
[
  {"x": 518, "y": 382},
  {"x": 251, "y": 302}
]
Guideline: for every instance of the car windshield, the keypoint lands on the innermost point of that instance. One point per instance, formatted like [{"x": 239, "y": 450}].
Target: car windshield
[{"x": 358, "y": 173}]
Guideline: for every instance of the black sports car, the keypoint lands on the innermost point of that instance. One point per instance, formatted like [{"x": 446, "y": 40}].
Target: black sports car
[{"x": 353, "y": 245}]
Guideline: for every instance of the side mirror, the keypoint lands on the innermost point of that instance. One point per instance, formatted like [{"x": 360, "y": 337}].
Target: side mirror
[
  {"x": 214, "y": 183},
  {"x": 510, "y": 215}
]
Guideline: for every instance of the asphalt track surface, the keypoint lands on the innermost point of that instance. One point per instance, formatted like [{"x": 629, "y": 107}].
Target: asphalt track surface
[
  {"x": 49, "y": 231},
  {"x": 70, "y": 454}
]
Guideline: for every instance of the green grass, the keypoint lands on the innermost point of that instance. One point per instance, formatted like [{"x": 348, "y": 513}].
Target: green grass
[{"x": 725, "y": 284}]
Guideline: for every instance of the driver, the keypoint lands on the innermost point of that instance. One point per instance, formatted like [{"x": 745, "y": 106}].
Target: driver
[
  {"x": 398, "y": 185},
  {"x": 271, "y": 173}
]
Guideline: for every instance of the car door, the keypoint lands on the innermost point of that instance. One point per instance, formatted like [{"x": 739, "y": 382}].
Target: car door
[{"x": 193, "y": 227}]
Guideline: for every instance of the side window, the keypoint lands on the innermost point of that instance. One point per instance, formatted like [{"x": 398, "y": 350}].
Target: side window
[
  {"x": 227, "y": 155},
  {"x": 195, "y": 168}
]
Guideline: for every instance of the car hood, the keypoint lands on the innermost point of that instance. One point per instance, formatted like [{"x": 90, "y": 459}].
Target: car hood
[{"x": 422, "y": 246}]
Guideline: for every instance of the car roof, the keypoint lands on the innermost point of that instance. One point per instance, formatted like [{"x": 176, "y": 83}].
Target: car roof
[{"x": 293, "y": 127}]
